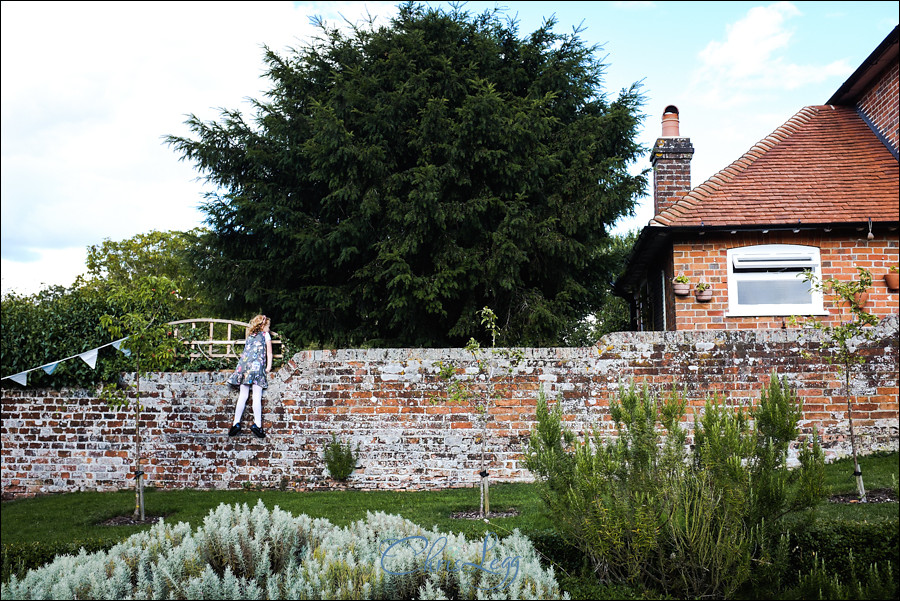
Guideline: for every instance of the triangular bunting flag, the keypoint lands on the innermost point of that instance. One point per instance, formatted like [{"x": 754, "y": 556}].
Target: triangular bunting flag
[
  {"x": 118, "y": 346},
  {"x": 90, "y": 357},
  {"x": 20, "y": 378},
  {"x": 51, "y": 368}
]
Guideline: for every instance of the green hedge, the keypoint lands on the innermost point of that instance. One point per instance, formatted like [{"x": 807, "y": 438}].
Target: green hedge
[
  {"x": 60, "y": 322},
  {"x": 18, "y": 558},
  {"x": 556, "y": 548},
  {"x": 829, "y": 559},
  {"x": 834, "y": 541}
]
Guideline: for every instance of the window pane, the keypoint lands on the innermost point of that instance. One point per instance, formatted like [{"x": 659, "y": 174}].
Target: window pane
[{"x": 773, "y": 292}]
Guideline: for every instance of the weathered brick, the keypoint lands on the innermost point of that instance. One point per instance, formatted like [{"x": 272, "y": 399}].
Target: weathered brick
[{"x": 410, "y": 435}]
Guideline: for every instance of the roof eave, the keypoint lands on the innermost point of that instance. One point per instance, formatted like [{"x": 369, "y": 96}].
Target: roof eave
[
  {"x": 872, "y": 67},
  {"x": 654, "y": 237}
]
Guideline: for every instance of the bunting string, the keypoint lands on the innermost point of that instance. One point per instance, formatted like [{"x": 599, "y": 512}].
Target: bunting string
[{"x": 89, "y": 357}]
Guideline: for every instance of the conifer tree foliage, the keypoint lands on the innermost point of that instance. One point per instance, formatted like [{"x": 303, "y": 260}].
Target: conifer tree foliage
[{"x": 396, "y": 179}]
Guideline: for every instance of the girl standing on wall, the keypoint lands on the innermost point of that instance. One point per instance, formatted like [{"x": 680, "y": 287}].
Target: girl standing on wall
[{"x": 257, "y": 353}]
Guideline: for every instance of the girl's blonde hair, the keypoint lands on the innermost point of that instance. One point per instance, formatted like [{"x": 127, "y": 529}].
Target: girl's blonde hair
[{"x": 257, "y": 324}]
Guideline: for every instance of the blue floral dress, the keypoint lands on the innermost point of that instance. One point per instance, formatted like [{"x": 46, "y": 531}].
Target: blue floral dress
[{"x": 251, "y": 368}]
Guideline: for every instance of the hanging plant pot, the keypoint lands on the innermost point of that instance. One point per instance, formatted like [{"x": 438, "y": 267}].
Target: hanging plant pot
[
  {"x": 681, "y": 289},
  {"x": 861, "y": 298},
  {"x": 893, "y": 281},
  {"x": 704, "y": 296}
]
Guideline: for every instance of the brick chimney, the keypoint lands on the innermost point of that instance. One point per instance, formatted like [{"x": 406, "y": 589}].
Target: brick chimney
[{"x": 671, "y": 160}]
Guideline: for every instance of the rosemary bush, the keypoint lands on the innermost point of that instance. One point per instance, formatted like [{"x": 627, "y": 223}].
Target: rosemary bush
[
  {"x": 647, "y": 513},
  {"x": 244, "y": 553}
]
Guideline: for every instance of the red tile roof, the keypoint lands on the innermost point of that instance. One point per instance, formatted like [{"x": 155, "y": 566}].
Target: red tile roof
[{"x": 824, "y": 165}]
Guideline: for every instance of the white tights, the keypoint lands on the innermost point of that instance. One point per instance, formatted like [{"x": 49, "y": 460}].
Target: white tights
[{"x": 242, "y": 402}]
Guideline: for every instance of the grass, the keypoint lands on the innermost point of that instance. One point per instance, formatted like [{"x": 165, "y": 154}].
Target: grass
[
  {"x": 79, "y": 516},
  {"x": 880, "y": 470},
  {"x": 877, "y": 469}
]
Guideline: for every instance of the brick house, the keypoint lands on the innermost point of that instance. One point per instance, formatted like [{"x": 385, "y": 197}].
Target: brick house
[{"x": 819, "y": 193}]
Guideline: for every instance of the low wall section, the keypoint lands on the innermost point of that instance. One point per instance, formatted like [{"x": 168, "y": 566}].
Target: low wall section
[{"x": 392, "y": 403}]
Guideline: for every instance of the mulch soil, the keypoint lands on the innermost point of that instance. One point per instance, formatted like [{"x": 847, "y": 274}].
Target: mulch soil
[
  {"x": 474, "y": 515},
  {"x": 127, "y": 520},
  {"x": 879, "y": 495}
]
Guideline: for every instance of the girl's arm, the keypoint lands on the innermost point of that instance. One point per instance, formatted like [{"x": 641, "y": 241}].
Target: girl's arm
[{"x": 268, "y": 352}]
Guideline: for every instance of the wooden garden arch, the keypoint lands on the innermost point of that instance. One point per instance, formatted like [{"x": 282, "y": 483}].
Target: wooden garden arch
[{"x": 220, "y": 338}]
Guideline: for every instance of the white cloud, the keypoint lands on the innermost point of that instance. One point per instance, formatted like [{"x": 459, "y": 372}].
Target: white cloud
[
  {"x": 750, "y": 62},
  {"x": 56, "y": 267},
  {"x": 751, "y": 41},
  {"x": 88, "y": 91}
]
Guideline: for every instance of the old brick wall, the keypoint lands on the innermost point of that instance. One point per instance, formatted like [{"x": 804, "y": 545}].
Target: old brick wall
[
  {"x": 705, "y": 259},
  {"x": 391, "y": 403}
]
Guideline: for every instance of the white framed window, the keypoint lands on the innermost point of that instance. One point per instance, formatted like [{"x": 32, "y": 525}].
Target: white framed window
[{"x": 768, "y": 280}]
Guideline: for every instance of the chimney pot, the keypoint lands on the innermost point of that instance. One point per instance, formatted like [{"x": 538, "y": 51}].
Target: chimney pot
[
  {"x": 670, "y": 122},
  {"x": 671, "y": 160}
]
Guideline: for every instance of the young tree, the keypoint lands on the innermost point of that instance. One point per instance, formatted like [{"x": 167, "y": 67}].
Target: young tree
[
  {"x": 142, "y": 317},
  {"x": 844, "y": 339},
  {"x": 482, "y": 389},
  {"x": 399, "y": 178}
]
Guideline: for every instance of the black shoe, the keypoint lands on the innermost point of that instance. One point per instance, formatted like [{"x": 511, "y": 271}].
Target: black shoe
[
  {"x": 235, "y": 430},
  {"x": 258, "y": 431}
]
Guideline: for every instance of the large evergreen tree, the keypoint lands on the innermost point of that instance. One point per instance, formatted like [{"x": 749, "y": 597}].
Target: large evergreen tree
[{"x": 398, "y": 179}]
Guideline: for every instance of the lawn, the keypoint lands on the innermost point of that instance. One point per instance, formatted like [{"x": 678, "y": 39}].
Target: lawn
[{"x": 79, "y": 516}]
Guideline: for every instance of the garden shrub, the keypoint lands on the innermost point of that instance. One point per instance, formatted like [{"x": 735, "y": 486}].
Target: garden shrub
[
  {"x": 746, "y": 456},
  {"x": 649, "y": 514},
  {"x": 54, "y": 324},
  {"x": 340, "y": 459},
  {"x": 241, "y": 553},
  {"x": 707, "y": 542},
  {"x": 18, "y": 558}
]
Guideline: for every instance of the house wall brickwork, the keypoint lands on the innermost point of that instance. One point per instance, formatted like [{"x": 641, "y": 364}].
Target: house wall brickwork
[
  {"x": 881, "y": 104},
  {"x": 704, "y": 259},
  {"x": 392, "y": 403},
  {"x": 671, "y": 161}
]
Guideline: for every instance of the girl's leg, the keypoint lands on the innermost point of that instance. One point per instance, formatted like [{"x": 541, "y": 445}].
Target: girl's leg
[
  {"x": 242, "y": 402},
  {"x": 257, "y": 405}
]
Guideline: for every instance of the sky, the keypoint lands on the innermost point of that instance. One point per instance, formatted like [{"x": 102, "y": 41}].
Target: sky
[{"x": 89, "y": 90}]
